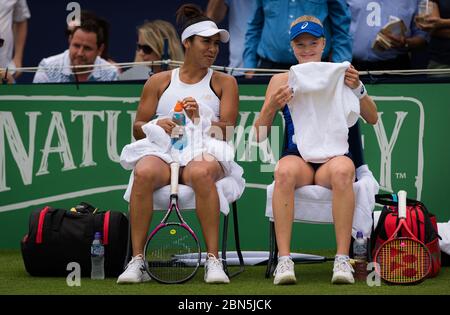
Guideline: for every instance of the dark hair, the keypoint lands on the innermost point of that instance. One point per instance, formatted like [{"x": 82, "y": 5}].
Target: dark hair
[
  {"x": 98, "y": 26},
  {"x": 189, "y": 14}
]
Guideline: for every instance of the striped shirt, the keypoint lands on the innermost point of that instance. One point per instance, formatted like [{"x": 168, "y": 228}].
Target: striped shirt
[{"x": 57, "y": 69}]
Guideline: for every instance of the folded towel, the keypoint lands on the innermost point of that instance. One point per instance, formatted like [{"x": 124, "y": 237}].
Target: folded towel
[
  {"x": 313, "y": 203},
  {"x": 322, "y": 109}
]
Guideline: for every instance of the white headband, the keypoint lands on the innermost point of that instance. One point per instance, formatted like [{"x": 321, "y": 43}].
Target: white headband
[{"x": 205, "y": 29}]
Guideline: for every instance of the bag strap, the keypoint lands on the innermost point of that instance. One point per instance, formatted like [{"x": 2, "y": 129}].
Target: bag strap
[
  {"x": 106, "y": 227},
  {"x": 40, "y": 228}
]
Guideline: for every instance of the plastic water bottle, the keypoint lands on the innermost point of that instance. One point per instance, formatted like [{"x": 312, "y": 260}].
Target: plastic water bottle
[
  {"x": 97, "y": 258},
  {"x": 178, "y": 117},
  {"x": 360, "y": 256}
]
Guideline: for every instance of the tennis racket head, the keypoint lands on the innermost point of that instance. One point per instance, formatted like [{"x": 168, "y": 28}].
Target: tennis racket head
[
  {"x": 403, "y": 259},
  {"x": 166, "y": 247}
]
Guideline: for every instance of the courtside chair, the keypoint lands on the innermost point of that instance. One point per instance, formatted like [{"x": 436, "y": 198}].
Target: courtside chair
[
  {"x": 313, "y": 203},
  {"x": 186, "y": 200}
]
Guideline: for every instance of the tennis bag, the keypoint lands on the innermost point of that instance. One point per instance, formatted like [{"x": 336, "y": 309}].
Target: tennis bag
[
  {"x": 57, "y": 237},
  {"x": 421, "y": 223}
]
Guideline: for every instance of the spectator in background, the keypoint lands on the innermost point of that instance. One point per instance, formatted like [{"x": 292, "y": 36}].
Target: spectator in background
[
  {"x": 85, "y": 48},
  {"x": 267, "y": 42},
  {"x": 150, "y": 47},
  {"x": 368, "y": 18},
  {"x": 103, "y": 23},
  {"x": 438, "y": 25},
  {"x": 239, "y": 12},
  {"x": 14, "y": 15}
]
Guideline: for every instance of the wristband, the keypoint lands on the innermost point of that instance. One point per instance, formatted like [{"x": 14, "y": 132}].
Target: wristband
[{"x": 360, "y": 91}]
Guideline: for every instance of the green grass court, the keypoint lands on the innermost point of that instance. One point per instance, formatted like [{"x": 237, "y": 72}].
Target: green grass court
[{"x": 312, "y": 279}]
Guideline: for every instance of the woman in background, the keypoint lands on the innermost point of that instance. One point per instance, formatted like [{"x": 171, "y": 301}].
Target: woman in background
[{"x": 150, "y": 47}]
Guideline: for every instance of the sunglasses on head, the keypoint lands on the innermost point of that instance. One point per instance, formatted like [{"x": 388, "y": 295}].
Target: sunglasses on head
[{"x": 146, "y": 49}]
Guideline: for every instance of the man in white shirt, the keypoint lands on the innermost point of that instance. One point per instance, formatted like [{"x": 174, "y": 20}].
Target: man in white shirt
[
  {"x": 13, "y": 33},
  {"x": 85, "y": 47}
]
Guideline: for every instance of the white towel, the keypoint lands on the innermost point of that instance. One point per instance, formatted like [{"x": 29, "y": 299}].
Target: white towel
[
  {"x": 313, "y": 203},
  {"x": 322, "y": 109},
  {"x": 158, "y": 143}
]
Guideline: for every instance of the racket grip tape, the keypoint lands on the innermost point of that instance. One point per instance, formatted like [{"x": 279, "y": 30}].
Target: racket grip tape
[
  {"x": 174, "y": 170},
  {"x": 401, "y": 204}
]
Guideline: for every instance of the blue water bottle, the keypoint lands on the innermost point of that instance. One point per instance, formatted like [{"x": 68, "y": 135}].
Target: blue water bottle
[
  {"x": 178, "y": 117},
  {"x": 97, "y": 258}
]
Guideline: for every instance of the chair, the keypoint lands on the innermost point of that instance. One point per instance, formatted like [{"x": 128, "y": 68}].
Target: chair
[
  {"x": 312, "y": 203},
  {"x": 227, "y": 195}
]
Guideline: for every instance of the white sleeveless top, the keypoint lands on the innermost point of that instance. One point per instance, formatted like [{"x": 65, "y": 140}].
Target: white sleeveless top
[{"x": 178, "y": 90}]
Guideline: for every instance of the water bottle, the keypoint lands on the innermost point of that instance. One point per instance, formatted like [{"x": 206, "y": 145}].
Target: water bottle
[
  {"x": 178, "y": 117},
  {"x": 360, "y": 256},
  {"x": 424, "y": 10},
  {"x": 97, "y": 258}
]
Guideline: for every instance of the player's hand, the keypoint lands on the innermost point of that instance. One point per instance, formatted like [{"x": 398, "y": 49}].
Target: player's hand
[
  {"x": 281, "y": 96},
  {"x": 351, "y": 78},
  {"x": 191, "y": 108},
  {"x": 167, "y": 124}
]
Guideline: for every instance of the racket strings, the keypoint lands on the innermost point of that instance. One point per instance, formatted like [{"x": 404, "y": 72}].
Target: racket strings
[
  {"x": 403, "y": 261},
  {"x": 162, "y": 253}
]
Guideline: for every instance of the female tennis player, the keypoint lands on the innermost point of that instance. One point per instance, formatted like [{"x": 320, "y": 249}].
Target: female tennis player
[
  {"x": 292, "y": 171},
  {"x": 194, "y": 82}
]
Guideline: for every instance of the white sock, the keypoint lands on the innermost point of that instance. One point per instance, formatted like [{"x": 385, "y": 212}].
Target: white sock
[
  {"x": 341, "y": 257},
  {"x": 281, "y": 258}
]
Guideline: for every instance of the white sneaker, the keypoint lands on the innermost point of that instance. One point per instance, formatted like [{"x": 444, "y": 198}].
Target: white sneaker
[
  {"x": 135, "y": 271},
  {"x": 214, "y": 270},
  {"x": 342, "y": 271},
  {"x": 284, "y": 273}
]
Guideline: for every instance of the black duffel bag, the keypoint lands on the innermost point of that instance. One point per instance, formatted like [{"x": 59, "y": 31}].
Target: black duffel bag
[{"x": 57, "y": 237}]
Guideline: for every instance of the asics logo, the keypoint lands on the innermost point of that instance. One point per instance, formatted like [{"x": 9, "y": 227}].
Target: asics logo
[{"x": 304, "y": 25}]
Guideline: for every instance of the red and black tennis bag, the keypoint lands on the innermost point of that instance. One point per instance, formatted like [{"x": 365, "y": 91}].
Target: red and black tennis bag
[
  {"x": 57, "y": 237},
  {"x": 421, "y": 223}
]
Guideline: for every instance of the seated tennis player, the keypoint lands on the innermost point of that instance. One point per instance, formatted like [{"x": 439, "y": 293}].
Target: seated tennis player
[
  {"x": 193, "y": 82},
  {"x": 319, "y": 102}
]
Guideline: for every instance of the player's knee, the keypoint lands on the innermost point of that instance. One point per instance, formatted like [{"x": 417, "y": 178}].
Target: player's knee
[
  {"x": 145, "y": 176},
  {"x": 284, "y": 177},
  {"x": 202, "y": 176},
  {"x": 342, "y": 177}
]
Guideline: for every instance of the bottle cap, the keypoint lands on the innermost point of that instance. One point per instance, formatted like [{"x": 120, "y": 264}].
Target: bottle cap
[
  {"x": 359, "y": 234},
  {"x": 178, "y": 107},
  {"x": 98, "y": 235}
]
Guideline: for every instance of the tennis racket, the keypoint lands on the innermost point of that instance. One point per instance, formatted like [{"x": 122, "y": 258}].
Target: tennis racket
[
  {"x": 170, "y": 240},
  {"x": 403, "y": 259}
]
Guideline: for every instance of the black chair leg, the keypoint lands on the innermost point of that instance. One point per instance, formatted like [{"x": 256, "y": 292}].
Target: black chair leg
[
  {"x": 129, "y": 245},
  {"x": 237, "y": 242},
  {"x": 224, "y": 244},
  {"x": 273, "y": 250}
]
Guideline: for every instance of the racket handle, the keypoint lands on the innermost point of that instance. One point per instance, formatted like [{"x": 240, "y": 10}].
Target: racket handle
[
  {"x": 401, "y": 204},
  {"x": 174, "y": 169}
]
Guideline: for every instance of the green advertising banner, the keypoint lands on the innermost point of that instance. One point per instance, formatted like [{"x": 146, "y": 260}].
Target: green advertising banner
[{"x": 60, "y": 145}]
